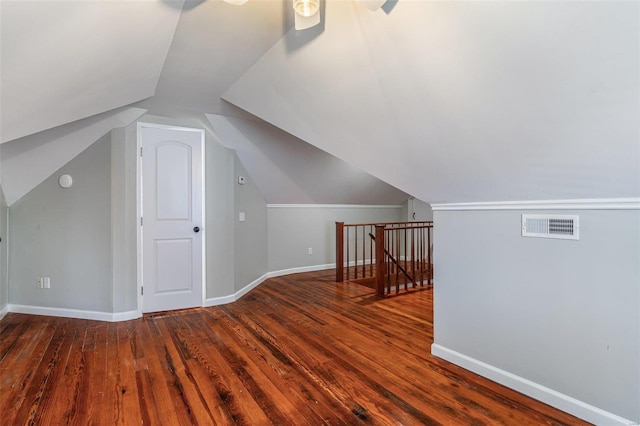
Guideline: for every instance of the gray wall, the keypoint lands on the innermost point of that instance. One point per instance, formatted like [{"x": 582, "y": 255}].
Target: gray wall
[
  {"x": 292, "y": 230},
  {"x": 84, "y": 238},
  {"x": 124, "y": 219},
  {"x": 417, "y": 210},
  {"x": 96, "y": 223},
  {"x": 219, "y": 187},
  {"x": 563, "y": 314},
  {"x": 4, "y": 284},
  {"x": 65, "y": 234},
  {"x": 250, "y": 235}
]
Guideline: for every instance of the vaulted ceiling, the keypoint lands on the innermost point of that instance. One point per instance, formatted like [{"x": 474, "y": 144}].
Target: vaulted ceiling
[{"x": 447, "y": 101}]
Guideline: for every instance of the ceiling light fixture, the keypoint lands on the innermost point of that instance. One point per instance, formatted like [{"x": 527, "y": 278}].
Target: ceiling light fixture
[
  {"x": 307, "y": 12},
  {"x": 306, "y": 8}
]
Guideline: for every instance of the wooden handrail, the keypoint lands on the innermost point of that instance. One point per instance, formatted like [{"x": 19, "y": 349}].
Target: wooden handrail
[
  {"x": 410, "y": 241},
  {"x": 400, "y": 228},
  {"x": 417, "y": 224}
]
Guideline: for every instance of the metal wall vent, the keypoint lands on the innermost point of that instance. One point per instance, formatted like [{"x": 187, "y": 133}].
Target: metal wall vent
[{"x": 546, "y": 226}]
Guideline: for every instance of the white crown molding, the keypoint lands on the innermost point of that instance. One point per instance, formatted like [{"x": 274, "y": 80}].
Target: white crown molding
[
  {"x": 584, "y": 204},
  {"x": 556, "y": 399},
  {"x": 332, "y": 206}
]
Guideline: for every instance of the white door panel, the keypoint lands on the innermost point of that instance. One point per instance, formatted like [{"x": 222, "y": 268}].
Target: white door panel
[
  {"x": 178, "y": 278},
  {"x": 172, "y": 211}
]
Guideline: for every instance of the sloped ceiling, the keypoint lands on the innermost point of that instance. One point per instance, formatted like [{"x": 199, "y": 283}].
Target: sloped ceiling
[
  {"x": 214, "y": 44},
  {"x": 447, "y": 101},
  {"x": 285, "y": 168},
  {"x": 466, "y": 101},
  {"x": 66, "y": 60},
  {"x": 28, "y": 161}
]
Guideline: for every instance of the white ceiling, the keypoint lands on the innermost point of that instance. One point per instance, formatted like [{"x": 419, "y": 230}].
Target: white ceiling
[
  {"x": 66, "y": 60},
  {"x": 466, "y": 101},
  {"x": 285, "y": 168},
  {"x": 214, "y": 44},
  {"x": 448, "y": 101},
  {"x": 28, "y": 161}
]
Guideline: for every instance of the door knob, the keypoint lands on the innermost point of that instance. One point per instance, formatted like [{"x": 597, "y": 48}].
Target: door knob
[{"x": 196, "y": 229}]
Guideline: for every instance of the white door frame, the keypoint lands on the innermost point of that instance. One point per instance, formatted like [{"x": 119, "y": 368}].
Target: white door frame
[{"x": 139, "y": 207}]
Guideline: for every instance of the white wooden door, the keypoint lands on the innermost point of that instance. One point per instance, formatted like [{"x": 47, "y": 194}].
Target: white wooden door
[{"x": 172, "y": 228}]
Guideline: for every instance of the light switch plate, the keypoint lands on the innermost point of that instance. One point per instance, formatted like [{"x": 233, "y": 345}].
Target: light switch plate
[{"x": 241, "y": 217}]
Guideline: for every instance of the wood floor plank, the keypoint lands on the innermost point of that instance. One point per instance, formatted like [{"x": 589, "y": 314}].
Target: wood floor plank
[
  {"x": 299, "y": 349},
  {"x": 243, "y": 368},
  {"x": 18, "y": 370},
  {"x": 65, "y": 397},
  {"x": 267, "y": 375},
  {"x": 305, "y": 391},
  {"x": 231, "y": 381},
  {"x": 166, "y": 385},
  {"x": 91, "y": 400},
  {"x": 127, "y": 389},
  {"x": 38, "y": 396},
  {"x": 177, "y": 358}
]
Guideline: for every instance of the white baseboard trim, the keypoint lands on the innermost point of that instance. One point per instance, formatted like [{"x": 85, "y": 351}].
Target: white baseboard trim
[
  {"x": 125, "y": 316},
  {"x": 246, "y": 289},
  {"x": 223, "y": 300},
  {"x": 556, "y": 399},
  {"x": 4, "y": 311},
  {"x": 74, "y": 313},
  {"x": 300, "y": 269}
]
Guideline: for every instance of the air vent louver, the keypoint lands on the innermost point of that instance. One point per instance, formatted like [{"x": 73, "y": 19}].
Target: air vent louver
[{"x": 545, "y": 226}]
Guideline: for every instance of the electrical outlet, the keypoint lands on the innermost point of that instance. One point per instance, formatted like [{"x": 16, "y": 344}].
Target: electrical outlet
[
  {"x": 39, "y": 283},
  {"x": 46, "y": 282},
  {"x": 310, "y": 250}
]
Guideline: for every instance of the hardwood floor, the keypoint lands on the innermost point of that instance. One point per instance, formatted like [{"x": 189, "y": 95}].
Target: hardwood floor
[{"x": 297, "y": 350}]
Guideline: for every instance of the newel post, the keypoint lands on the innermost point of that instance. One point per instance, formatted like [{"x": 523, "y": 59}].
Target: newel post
[
  {"x": 339, "y": 252},
  {"x": 380, "y": 272},
  {"x": 429, "y": 260}
]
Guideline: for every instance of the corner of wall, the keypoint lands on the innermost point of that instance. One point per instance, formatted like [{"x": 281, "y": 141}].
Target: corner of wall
[
  {"x": 558, "y": 320},
  {"x": 64, "y": 234},
  {"x": 250, "y": 228},
  {"x": 124, "y": 219},
  {"x": 219, "y": 202},
  {"x": 4, "y": 264}
]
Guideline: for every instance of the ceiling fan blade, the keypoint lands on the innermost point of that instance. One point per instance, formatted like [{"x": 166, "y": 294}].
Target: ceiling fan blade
[
  {"x": 372, "y": 5},
  {"x": 303, "y": 23},
  {"x": 236, "y": 2}
]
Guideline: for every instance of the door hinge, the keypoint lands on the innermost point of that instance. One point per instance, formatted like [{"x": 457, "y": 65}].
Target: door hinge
[
  {"x": 141, "y": 291},
  {"x": 141, "y": 221},
  {"x": 140, "y": 151}
]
